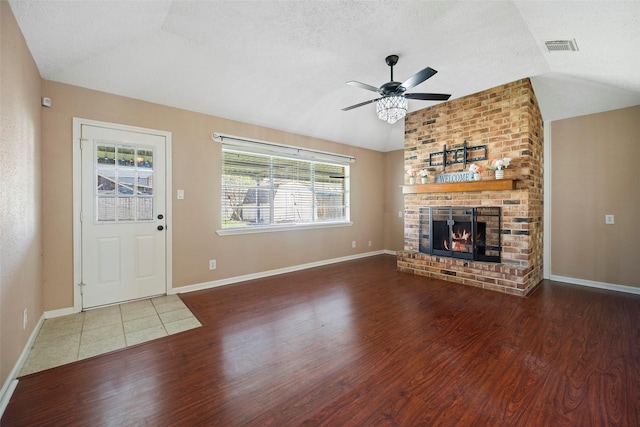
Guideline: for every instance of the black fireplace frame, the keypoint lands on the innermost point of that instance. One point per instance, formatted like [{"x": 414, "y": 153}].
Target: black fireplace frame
[{"x": 481, "y": 251}]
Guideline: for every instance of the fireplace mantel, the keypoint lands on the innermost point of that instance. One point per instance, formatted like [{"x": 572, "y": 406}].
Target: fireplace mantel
[{"x": 452, "y": 187}]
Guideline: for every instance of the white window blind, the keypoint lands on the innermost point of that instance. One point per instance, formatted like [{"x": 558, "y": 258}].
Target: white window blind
[{"x": 267, "y": 185}]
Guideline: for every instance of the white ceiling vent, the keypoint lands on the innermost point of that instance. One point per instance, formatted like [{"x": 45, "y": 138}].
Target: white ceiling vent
[{"x": 561, "y": 45}]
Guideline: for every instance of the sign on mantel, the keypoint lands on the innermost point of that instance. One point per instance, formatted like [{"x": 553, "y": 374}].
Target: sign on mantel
[{"x": 454, "y": 177}]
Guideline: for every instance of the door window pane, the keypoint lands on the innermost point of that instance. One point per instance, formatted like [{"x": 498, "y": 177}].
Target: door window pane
[
  {"x": 126, "y": 156},
  {"x": 106, "y": 182},
  {"x": 106, "y": 154},
  {"x": 124, "y": 183},
  {"x": 126, "y": 208},
  {"x": 144, "y": 159},
  {"x": 106, "y": 209},
  {"x": 145, "y": 208},
  {"x": 145, "y": 183}
]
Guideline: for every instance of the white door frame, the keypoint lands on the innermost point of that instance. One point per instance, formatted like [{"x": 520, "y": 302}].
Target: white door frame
[{"x": 77, "y": 203}]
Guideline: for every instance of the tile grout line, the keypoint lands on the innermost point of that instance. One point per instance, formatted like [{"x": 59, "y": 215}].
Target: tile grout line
[
  {"x": 124, "y": 333},
  {"x": 84, "y": 318},
  {"x": 160, "y": 318}
]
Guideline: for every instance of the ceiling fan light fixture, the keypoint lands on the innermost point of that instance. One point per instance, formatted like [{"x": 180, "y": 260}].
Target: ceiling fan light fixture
[{"x": 391, "y": 108}]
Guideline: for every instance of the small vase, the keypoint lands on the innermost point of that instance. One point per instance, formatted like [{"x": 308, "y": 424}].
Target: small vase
[
  {"x": 424, "y": 179},
  {"x": 500, "y": 174},
  {"x": 477, "y": 177},
  {"x": 412, "y": 180}
]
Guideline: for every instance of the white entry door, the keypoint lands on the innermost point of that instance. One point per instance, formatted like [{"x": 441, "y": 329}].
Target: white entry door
[{"x": 123, "y": 218}]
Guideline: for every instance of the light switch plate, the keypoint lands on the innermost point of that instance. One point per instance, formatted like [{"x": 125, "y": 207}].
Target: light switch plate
[
  {"x": 180, "y": 194},
  {"x": 609, "y": 219}
]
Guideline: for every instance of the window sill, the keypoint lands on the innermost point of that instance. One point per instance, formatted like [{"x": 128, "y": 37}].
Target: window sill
[{"x": 275, "y": 228}]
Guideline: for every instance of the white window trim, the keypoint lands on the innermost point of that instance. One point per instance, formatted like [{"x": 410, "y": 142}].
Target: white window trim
[{"x": 274, "y": 228}]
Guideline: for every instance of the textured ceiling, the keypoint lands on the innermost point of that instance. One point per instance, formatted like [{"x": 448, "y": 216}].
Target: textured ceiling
[{"x": 284, "y": 64}]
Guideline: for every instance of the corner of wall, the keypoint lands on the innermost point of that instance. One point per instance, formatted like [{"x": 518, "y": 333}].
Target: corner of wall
[{"x": 21, "y": 197}]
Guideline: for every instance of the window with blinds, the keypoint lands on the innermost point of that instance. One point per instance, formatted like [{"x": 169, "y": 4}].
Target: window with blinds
[{"x": 261, "y": 190}]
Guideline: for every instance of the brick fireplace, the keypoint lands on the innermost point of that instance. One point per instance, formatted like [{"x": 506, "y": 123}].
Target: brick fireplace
[{"x": 506, "y": 120}]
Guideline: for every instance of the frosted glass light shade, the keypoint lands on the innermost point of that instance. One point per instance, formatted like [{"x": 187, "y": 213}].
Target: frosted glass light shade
[{"x": 391, "y": 108}]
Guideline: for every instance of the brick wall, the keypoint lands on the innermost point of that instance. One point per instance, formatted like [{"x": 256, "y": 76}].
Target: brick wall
[{"x": 507, "y": 120}]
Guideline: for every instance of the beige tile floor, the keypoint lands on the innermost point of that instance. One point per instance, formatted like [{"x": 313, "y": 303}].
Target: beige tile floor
[{"x": 66, "y": 339}]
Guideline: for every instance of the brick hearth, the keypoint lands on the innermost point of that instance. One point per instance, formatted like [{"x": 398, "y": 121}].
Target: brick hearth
[{"x": 507, "y": 120}]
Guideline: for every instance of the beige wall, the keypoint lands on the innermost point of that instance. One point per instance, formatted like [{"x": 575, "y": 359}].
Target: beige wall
[
  {"x": 594, "y": 172},
  {"x": 394, "y": 201},
  {"x": 196, "y": 170},
  {"x": 20, "y": 158}
]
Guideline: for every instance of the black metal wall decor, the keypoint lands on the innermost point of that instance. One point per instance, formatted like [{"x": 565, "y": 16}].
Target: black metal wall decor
[{"x": 462, "y": 155}]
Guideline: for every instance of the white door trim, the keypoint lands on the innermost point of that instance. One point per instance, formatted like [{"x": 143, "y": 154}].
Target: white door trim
[{"x": 77, "y": 203}]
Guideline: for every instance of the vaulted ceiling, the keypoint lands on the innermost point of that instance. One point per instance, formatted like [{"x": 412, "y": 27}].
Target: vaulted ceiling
[{"x": 284, "y": 64}]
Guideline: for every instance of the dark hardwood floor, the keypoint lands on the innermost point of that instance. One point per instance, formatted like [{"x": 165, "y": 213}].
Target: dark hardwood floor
[{"x": 358, "y": 343}]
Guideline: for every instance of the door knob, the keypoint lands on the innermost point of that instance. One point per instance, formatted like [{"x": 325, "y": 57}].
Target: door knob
[
  {"x": 160, "y": 216},
  {"x": 160, "y": 228}
]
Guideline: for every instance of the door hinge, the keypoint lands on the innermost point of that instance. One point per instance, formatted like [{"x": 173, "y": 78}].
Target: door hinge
[{"x": 82, "y": 285}]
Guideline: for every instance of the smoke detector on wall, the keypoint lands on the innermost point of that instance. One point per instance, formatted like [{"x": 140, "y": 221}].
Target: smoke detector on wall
[{"x": 561, "y": 45}]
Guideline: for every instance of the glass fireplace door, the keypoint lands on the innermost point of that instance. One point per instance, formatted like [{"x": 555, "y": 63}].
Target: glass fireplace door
[{"x": 461, "y": 232}]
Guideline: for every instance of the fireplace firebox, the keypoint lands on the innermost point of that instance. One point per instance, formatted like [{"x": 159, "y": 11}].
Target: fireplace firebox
[{"x": 461, "y": 232}]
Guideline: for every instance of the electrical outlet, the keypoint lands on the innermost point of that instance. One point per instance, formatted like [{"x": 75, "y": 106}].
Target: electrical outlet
[
  {"x": 369, "y": 242},
  {"x": 24, "y": 319},
  {"x": 212, "y": 264},
  {"x": 353, "y": 244},
  {"x": 399, "y": 214}
]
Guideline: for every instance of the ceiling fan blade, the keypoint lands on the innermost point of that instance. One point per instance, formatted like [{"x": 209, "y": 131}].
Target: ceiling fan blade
[
  {"x": 360, "y": 105},
  {"x": 418, "y": 77},
  {"x": 428, "y": 96},
  {"x": 362, "y": 86}
]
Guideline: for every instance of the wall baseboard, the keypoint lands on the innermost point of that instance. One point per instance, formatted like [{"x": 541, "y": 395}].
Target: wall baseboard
[
  {"x": 206, "y": 285},
  {"x": 262, "y": 274},
  {"x": 60, "y": 312},
  {"x": 12, "y": 382},
  {"x": 594, "y": 284}
]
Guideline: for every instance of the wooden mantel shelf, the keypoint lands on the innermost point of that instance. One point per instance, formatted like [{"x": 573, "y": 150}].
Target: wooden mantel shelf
[{"x": 453, "y": 187}]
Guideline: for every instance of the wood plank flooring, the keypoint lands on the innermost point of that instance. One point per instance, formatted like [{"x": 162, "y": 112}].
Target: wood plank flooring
[{"x": 361, "y": 344}]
